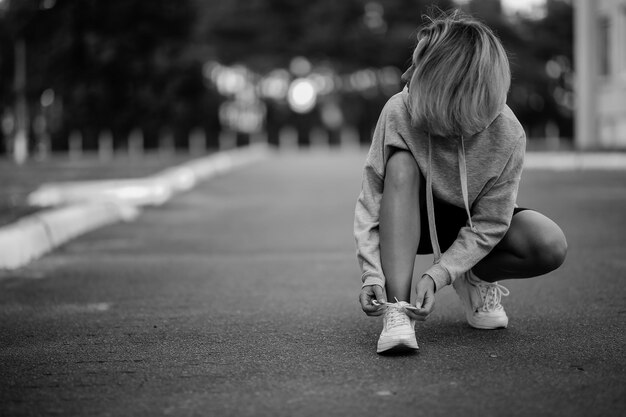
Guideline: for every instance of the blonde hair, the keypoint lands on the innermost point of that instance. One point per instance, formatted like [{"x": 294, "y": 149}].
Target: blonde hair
[{"x": 461, "y": 76}]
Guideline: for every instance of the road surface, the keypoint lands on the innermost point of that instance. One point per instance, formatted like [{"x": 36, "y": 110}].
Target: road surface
[{"x": 239, "y": 298}]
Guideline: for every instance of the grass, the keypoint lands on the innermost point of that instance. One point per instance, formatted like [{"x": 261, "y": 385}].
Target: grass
[{"x": 18, "y": 181}]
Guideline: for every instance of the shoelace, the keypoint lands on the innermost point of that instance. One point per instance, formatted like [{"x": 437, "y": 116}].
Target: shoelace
[
  {"x": 397, "y": 304},
  {"x": 492, "y": 294},
  {"x": 395, "y": 313},
  {"x": 396, "y": 317}
]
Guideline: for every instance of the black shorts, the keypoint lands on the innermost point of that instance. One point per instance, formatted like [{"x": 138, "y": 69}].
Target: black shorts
[{"x": 449, "y": 220}]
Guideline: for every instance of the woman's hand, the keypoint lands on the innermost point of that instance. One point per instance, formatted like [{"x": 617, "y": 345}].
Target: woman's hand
[
  {"x": 370, "y": 293},
  {"x": 425, "y": 300}
]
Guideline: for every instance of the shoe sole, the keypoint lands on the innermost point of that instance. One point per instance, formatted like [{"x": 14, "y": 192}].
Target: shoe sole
[
  {"x": 488, "y": 323},
  {"x": 396, "y": 346},
  {"x": 398, "y": 350}
]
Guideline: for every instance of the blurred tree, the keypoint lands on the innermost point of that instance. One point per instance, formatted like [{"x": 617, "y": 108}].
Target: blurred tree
[
  {"x": 121, "y": 64},
  {"x": 6, "y": 90},
  {"x": 264, "y": 34},
  {"x": 16, "y": 17},
  {"x": 115, "y": 64},
  {"x": 540, "y": 51},
  {"x": 350, "y": 34},
  {"x": 551, "y": 77},
  {"x": 346, "y": 35}
]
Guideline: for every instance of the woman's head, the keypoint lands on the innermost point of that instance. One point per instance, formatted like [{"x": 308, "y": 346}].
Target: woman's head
[{"x": 459, "y": 78}]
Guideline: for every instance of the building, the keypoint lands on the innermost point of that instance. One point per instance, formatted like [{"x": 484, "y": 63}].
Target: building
[{"x": 600, "y": 65}]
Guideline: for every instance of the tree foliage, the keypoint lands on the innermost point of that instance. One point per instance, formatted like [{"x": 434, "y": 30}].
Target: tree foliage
[{"x": 119, "y": 64}]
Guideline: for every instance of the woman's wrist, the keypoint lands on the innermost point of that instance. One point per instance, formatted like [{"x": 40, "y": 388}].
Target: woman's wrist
[{"x": 432, "y": 281}]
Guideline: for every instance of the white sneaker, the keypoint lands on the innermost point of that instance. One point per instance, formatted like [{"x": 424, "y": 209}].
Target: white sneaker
[
  {"x": 481, "y": 300},
  {"x": 398, "y": 329}
]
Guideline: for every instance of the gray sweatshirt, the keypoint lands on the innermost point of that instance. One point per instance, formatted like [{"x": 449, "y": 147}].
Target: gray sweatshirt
[{"x": 480, "y": 173}]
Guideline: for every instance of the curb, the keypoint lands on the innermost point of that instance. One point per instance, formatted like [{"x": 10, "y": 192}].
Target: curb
[
  {"x": 88, "y": 205},
  {"x": 153, "y": 190},
  {"x": 37, "y": 234},
  {"x": 566, "y": 161}
]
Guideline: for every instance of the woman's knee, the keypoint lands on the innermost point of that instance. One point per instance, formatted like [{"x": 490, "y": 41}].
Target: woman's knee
[
  {"x": 549, "y": 249},
  {"x": 402, "y": 170},
  {"x": 537, "y": 240}
]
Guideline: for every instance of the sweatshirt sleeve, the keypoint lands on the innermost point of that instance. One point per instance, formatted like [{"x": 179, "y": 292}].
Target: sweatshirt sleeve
[
  {"x": 366, "y": 216},
  {"x": 491, "y": 215},
  {"x": 366, "y": 227}
]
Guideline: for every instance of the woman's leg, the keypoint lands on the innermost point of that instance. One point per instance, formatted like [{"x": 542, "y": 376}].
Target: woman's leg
[
  {"x": 534, "y": 245},
  {"x": 399, "y": 224}
]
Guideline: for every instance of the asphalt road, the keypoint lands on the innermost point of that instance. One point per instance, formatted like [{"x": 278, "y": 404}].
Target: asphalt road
[{"x": 240, "y": 298}]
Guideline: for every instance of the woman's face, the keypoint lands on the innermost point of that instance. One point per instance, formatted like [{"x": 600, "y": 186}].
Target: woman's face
[{"x": 408, "y": 74}]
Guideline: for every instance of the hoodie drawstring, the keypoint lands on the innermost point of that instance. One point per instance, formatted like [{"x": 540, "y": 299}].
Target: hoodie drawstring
[
  {"x": 463, "y": 175},
  {"x": 430, "y": 208}
]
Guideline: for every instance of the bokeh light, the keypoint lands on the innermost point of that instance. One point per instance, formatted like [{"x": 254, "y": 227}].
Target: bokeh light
[{"x": 302, "y": 95}]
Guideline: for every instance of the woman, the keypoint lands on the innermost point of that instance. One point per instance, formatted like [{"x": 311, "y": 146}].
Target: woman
[{"x": 441, "y": 177}]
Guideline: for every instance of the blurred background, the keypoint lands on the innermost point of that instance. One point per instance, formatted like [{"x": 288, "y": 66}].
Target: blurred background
[{"x": 131, "y": 77}]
